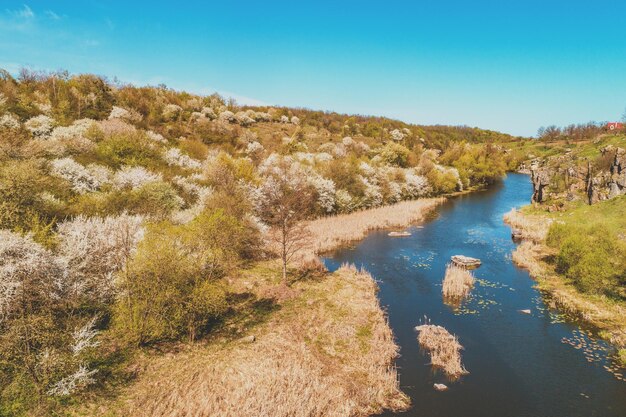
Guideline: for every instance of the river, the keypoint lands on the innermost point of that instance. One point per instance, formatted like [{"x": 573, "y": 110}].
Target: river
[{"x": 520, "y": 365}]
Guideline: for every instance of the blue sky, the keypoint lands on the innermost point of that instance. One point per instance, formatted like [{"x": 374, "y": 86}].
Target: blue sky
[{"x": 511, "y": 66}]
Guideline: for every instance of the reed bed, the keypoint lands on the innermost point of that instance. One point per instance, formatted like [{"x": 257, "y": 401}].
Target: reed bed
[
  {"x": 335, "y": 360},
  {"x": 444, "y": 349},
  {"x": 531, "y": 227},
  {"x": 328, "y": 233},
  {"x": 457, "y": 282}
]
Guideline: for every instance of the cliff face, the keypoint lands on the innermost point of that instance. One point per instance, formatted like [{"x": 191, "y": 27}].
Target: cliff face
[{"x": 568, "y": 177}]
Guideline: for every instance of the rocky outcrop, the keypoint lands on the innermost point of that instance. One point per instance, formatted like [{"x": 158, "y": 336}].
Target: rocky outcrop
[
  {"x": 566, "y": 178},
  {"x": 540, "y": 178}
]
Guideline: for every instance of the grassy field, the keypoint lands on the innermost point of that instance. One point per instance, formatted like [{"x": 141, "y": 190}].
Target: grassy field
[{"x": 528, "y": 149}]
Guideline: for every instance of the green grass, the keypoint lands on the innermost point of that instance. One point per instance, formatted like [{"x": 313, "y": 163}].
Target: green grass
[{"x": 610, "y": 214}]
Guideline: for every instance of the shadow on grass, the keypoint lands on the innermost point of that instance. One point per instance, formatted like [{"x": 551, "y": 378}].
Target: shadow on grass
[{"x": 247, "y": 311}]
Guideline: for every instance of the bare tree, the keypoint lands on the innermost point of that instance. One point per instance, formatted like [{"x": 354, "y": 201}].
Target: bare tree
[{"x": 285, "y": 200}]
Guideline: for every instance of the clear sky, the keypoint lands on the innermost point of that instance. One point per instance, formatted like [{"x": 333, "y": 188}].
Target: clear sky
[{"x": 506, "y": 65}]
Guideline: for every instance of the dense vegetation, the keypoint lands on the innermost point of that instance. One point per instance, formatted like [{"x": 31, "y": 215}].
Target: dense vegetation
[
  {"x": 591, "y": 251},
  {"x": 124, "y": 210}
]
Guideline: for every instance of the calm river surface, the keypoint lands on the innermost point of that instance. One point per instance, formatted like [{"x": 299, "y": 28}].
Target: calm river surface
[{"x": 537, "y": 365}]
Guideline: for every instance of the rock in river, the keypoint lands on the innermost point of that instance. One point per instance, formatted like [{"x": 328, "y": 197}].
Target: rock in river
[
  {"x": 465, "y": 261},
  {"x": 399, "y": 234}
]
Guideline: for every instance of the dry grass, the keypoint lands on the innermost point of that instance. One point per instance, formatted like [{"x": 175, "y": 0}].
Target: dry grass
[
  {"x": 327, "y": 352},
  {"x": 457, "y": 283},
  {"x": 444, "y": 349},
  {"x": 531, "y": 227},
  {"x": 331, "y": 232},
  {"x": 527, "y": 255}
]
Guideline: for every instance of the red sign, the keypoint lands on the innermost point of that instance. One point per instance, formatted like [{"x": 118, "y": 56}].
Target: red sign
[{"x": 615, "y": 126}]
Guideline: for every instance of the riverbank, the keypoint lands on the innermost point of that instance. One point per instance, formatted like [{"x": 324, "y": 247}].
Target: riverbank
[
  {"x": 321, "y": 347},
  {"x": 326, "y": 351},
  {"x": 599, "y": 311},
  {"x": 328, "y": 233}
]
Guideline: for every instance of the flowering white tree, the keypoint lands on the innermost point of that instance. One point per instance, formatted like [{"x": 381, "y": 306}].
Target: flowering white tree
[
  {"x": 284, "y": 199},
  {"x": 284, "y": 119},
  {"x": 255, "y": 150},
  {"x": 74, "y": 131},
  {"x": 208, "y": 112},
  {"x": 40, "y": 126},
  {"x": 82, "y": 377},
  {"x": 325, "y": 190},
  {"x": 9, "y": 121},
  {"x": 415, "y": 186},
  {"x": 322, "y": 157},
  {"x": 263, "y": 117},
  {"x": 28, "y": 273},
  {"x": 227, "y": 116},
  {"x": 124, "y": 114},
  {"x": 348, "y": 142},
  {"x": 295, "y": 120},
  {"x": 172, "y": 111},
  {"x": 80, "y": 177},
  {"x": 395, "y": 192},
  {"x": 94, "y": 248},
  {"x": 396, "y": 135},
  {"x": 244, "y": 119},
  {"x": 156, "y": 137},
  {"x": 344, "y": 201},
  {"x": 373, "y": 196},
  {"x": 174, "y": 156},
  {"x": 134, "y": 177}
]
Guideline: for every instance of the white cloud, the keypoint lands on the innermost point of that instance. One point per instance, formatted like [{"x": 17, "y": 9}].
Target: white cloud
[
  {"x": 52, "y": 15},
  {"x": 25, "y": 12}
]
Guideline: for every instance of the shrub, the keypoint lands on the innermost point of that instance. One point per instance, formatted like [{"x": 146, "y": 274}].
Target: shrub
[
  {"x": 442, "y": 181},
  {"x": 171, "y": 288},
  {"x": 126, "y": 149},
  {"x": 43, "y": 339},
  {"x": 593, "y": 258},
  {"x": 395, "y": 154},
  {"x": 157, "y": 199},
  {"x": 21, "y": 183},
  {"x": 96, "y": 247}
]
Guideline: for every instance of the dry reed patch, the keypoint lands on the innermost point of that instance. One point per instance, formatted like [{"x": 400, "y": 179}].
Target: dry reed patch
[
  {"x": 327, "y": 352},
  {"x": 328, "y": 233},
  {"x": 457, "y": 283},
  {"x": 444, "y": 349},
  {"x": 534, "y": 228},
  {"x": 527, "y": 255}
]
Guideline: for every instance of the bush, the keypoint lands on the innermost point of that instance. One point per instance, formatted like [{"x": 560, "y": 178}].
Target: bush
[
  {"x": 593, "y": 258},
  {"x": 395, "y": 154},
  {"x": 21, "y": 185},
  {"x": 127, "y": 149},
  {"x": 442, "y": 181},
  {"x": 172, "y": 288}
]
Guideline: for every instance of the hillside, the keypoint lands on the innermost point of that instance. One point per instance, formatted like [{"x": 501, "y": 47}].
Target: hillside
[{"x": 129, "y": 214}]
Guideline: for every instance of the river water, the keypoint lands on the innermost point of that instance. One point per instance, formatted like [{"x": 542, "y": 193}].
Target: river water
[{"x": 520, "y": 365}]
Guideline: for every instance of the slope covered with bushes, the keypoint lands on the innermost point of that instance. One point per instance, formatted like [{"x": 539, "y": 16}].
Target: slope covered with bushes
[{"x": 124, "y": 211}]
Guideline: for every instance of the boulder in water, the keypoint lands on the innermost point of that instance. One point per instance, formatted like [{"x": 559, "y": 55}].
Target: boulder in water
[
  {"x": 399, "y": 234},
  {"x": 440, "y": 387},
  {"x": 465, "y": 261}
]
